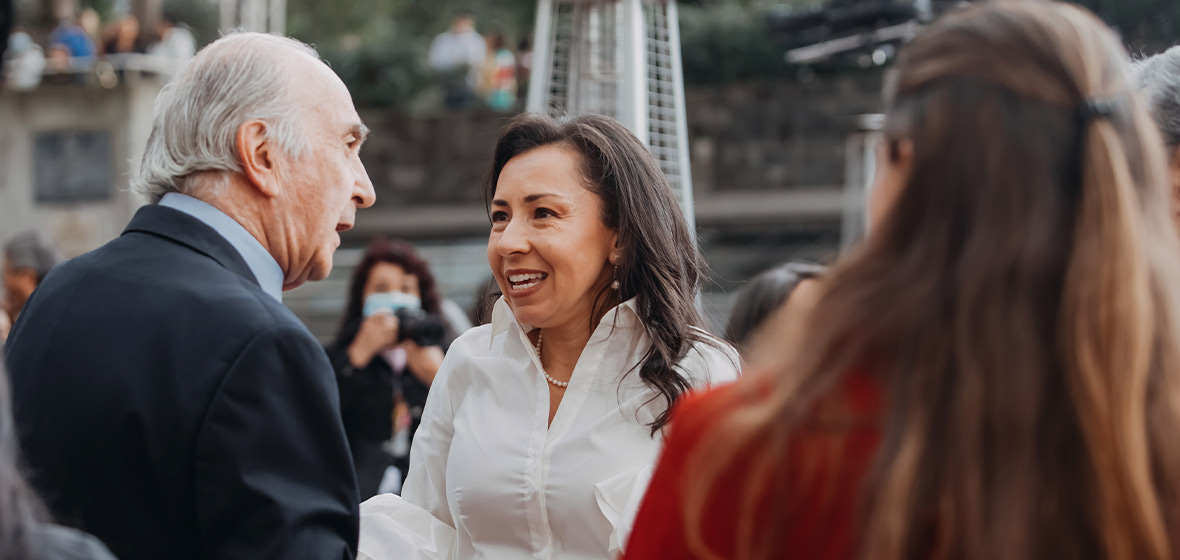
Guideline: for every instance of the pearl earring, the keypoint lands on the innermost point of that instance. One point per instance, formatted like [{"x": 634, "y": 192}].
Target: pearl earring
[{"x": 614, "y": 260}]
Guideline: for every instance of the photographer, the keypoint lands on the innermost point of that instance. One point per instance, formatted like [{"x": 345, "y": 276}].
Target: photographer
[{"x": 386, "y": 354}]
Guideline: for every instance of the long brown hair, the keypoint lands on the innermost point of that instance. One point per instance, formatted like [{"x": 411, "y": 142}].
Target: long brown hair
[{"x": 1017, "y": 308}]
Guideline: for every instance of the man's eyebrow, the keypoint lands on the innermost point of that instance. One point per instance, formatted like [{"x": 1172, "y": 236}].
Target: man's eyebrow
[{"x": 359, "y": 130}]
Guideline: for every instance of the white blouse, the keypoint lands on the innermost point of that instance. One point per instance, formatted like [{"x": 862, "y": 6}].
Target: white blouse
[{"x": 489, "y": 478}]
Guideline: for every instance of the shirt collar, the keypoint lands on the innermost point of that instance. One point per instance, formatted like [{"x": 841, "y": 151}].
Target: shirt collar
[
  {"x": 264, "y": 267},
  {"x": 503, "y": 317}
]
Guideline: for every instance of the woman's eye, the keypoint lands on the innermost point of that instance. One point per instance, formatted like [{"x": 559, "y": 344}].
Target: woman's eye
[
  {"x": 499, "y": 216},
  {"x": 544, "y": 213}
]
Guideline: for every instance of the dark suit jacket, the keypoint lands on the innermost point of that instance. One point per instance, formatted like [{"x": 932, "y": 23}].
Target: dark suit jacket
[{"x": 174, "y": 410}]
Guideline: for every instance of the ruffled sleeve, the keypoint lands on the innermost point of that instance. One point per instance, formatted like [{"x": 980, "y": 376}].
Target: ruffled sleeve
[
  {"x": 618, "y": 498},
  {"x": 394, "y": 528}
]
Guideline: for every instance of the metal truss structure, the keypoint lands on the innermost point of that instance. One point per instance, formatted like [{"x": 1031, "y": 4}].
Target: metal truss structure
[{"x": 619, "y": 58}]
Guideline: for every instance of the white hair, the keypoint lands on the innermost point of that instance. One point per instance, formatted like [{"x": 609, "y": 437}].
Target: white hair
[
  {"x": 240, "y": 77},
  {"x": 1159, "y": 78}
]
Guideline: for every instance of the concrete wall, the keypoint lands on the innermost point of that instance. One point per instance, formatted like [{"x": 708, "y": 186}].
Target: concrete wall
[{"x": 124, "y": 111}]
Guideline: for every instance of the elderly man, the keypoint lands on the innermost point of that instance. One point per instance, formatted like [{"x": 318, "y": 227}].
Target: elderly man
[
  {"x": 1159, "y": 78},
  {"x": 28, "y": 257},
  {"x": 167, "y": 401}
]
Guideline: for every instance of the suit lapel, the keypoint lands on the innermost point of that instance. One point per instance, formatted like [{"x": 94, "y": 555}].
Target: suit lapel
[{"x": 186, "y": 230}]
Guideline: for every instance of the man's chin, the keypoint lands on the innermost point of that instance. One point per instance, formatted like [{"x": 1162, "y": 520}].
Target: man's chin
[{"x": 313, "y": 273}]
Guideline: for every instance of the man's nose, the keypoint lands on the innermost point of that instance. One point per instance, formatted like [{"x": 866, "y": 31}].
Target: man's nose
[{"x": 363, "y": 194}]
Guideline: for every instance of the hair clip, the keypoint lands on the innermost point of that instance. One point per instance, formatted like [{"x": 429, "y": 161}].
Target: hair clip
[{"x": 1092, "y": 109}]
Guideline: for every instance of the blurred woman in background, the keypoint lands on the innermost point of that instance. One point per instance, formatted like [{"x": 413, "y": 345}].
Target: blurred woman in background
[
  {"x": 383, "y": 374},
  {"x": 995, "y": 372},
  {"x": 759, "y": 310}
]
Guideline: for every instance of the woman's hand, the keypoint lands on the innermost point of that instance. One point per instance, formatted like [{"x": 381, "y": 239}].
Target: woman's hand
[
  {"x": 423, "y": 361},
  {"x": 378, "y": 333}
]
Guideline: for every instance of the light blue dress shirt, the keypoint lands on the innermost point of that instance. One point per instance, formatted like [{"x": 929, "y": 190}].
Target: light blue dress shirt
[{"x": 266, "y": 270}]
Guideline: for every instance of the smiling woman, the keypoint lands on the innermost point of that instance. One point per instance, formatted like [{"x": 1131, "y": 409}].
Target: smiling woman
[{"x": 541, "y": 428}]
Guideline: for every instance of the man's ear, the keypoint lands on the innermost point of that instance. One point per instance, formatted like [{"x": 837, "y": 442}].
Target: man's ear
[{"x": 259, "y": 157}]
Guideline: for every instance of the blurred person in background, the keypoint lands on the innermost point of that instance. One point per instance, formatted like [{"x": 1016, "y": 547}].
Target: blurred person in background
[
  {"x": 995, "y": 371},
  {"x": 762, "y": 299},
  {"x": 167, "y": 400},
  {"x": 70, "y": 37},
  {"x": 28, "y": 257},
  {"x": 458, "y": 53},
  {"x": 542, "y": 427},
  {"x": 1159, "y": 79},
  {"x": 25, "y": 530},
  {"x": 24, "y": 61},
  {"x": 175, "y": 39},
  {"x": 497, "y": 82},
  {"x": 91, "y": 23},
  {"x": 122, "y": 36},
  {"x": 384, "y": 366}
]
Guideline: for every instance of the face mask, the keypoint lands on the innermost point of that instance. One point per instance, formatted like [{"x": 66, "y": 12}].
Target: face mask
[
  {"x": 19, "y": 42},
  {"x": 390, "y": 302}
]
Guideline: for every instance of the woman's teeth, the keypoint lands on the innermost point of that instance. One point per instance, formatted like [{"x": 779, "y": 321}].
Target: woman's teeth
[{"x": 526, "y": 281}]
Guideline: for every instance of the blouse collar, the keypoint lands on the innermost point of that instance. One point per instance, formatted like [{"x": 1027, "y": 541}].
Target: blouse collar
[{"x": 503, "y": 317}]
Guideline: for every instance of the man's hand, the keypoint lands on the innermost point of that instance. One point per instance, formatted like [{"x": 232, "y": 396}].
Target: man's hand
[{"x": 378, "y": 333}]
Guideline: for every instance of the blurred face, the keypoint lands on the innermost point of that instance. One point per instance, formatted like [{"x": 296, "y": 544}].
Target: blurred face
[
  {"x": 549, "y": 248},
  {"x": 326, "y": 184},
  {"x": 894, "y": 158},
  {"x": 389, "y": 277},
  {"x": 19, "y": 284}
]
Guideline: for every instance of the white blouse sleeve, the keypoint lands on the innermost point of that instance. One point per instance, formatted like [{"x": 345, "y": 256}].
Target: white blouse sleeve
[
  {"x": 418, "y": 524},
  {"x": 619, "y": 497}
]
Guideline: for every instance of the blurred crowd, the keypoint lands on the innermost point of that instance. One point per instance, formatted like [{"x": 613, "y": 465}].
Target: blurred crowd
[
  {"x": 80, "y": 41},
  {"x": 479, "y": 70}
]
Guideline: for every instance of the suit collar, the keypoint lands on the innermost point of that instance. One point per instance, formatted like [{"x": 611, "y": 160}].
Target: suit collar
[{"x": 178, "y": 227}]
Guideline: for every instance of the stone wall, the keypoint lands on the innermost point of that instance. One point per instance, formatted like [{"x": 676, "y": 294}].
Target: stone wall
[{"x": 764, "y": 152}]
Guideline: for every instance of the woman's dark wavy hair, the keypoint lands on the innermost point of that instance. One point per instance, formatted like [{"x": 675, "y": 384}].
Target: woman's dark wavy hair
[
  {"x": 393, "y": 251},
  {"x": 660, "y": 265},
  {"x": 21, "y": 511}
]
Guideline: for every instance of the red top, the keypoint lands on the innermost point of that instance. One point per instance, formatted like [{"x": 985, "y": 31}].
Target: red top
[{"x": 815, "y": 492}]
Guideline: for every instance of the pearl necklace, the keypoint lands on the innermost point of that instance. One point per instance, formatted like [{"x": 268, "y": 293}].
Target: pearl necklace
[{"x": 537, "y": 347}]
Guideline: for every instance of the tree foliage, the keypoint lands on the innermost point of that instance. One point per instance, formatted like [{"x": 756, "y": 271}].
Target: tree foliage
[{"x": 380, "y": 47}]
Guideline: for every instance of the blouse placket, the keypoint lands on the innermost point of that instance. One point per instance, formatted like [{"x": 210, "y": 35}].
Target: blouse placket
[{"x": 546, "y": 436}]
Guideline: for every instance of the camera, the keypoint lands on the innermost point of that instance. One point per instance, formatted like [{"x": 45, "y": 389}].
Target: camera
[{"x": 421, "y": 327}]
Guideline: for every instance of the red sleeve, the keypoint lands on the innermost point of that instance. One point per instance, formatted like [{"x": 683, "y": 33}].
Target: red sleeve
[
  {"x": 814, "y": 500},
  {"x": 659, "y": 527}
]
